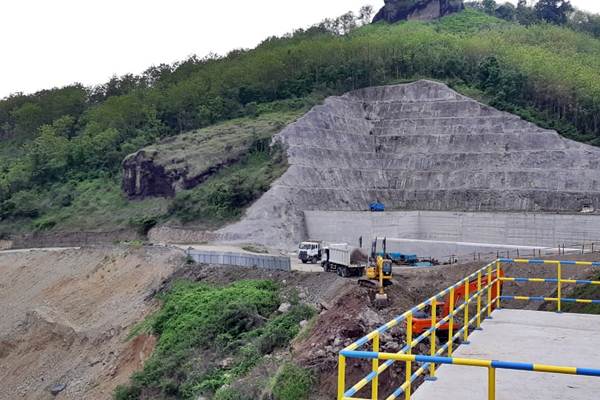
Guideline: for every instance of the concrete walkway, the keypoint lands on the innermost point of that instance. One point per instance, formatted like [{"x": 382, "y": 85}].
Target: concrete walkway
[{"x": 571, "y": 340}]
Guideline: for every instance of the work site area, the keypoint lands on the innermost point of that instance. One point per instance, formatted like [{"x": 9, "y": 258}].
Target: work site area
[
  {"x": 393, "y": 204},
  {"x": 385, "y": 292}
]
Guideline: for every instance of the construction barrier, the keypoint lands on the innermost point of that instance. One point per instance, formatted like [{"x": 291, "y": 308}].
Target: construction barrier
[
  {"x": 483, "y": 290},
  {"x": 240, "y": 259}
]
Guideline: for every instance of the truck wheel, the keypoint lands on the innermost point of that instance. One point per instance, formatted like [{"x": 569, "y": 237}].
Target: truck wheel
[
  {"x": 304, "y": 261},
  {"x": 339, "y": 271},
  {"x": 345, "y": 272},
  {"x": 313, "y": 260}
]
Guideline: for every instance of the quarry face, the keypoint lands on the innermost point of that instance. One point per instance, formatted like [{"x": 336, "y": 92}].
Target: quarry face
[{"x": 418, "y": 146}]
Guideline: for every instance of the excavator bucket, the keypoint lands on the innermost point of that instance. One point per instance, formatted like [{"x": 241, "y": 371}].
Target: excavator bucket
[{"x": 381, "y": 300}]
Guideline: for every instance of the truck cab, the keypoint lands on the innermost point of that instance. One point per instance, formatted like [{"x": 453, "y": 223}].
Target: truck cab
[{"x": 310, "y": 251}]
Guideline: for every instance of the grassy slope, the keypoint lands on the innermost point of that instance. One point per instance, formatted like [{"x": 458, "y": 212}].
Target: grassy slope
[
  {"x": 99, "y": 204},
  {"x": 199, "y": 326}
]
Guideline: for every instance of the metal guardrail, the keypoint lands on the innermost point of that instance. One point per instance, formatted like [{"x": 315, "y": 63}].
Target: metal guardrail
[
  {"x": 489, "y": 281},
  {"x": 240, "y": 259}
]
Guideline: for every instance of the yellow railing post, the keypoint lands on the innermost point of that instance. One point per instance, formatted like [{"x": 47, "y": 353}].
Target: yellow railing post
[
  {"x": 408, "y": 367},
  {"x": 341, "y": 377},
  {"x": 451, "y": 323},
  {"x": 479, "y": 299},
  {"x": 375, "y": 365},
  {"x": 433, "y": 336},
  {"x": 489, "y": 290},
  {"x": 559, "y": 284},
  {"x": 409, "y": 339},
  {"x": 491, "y": 383},
  {"x": 409, "y": 332},
  {"x": 498, "y": 272},
  {"x": 466, "y": 325}
]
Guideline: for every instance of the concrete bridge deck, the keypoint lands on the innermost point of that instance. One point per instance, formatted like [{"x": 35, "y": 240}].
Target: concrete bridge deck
[{"x": 524, "y": 336}]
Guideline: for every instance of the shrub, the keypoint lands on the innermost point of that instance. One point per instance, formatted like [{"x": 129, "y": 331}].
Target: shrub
[
  {"x": 143, "y": 224},
  {"x": 195, "y": 317},
  {"x": 293, "y": 383},
  {"x": 283, "y": 328}
]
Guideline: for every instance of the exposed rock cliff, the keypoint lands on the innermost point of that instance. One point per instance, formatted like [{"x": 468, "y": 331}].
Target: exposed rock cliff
[
  {"x": 399, "y": 10},
  {"x": 419, "y": 146},
  {"x": 187, "y": 160}
]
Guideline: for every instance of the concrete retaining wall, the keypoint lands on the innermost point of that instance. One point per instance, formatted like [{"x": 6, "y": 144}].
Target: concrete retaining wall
[
  {"x": 241, "y": 260},
  {"x": 456, "y": 232}
]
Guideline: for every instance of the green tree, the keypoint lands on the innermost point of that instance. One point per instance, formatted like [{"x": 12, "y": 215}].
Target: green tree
[
  {"x": 585, "y": 22},
  {"x": 525, "y": 15},
  {"x": 553, "y": 11},
  {"x": 27, "y": 119},
  {"x": 365, "y": 14},
  {"x": 489, "y": 6},
  {"x": 506, "y": 11},
  {"x": 48, "y": 155}
]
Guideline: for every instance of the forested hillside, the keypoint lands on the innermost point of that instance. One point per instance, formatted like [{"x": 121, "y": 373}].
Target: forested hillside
[{"x": 62, "y": 148}]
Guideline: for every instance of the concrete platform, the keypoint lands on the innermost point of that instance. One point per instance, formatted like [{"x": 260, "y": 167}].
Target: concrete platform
[{"x": 524, "y": 336}]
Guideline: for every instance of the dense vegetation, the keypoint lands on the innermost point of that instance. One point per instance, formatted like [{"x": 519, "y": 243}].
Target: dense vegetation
[
  {"x": 76, "y": 137},
  {"x": 198, "y": 326}
]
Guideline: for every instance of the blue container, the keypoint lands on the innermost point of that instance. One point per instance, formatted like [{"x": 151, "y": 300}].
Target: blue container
[{"x": 377, "y": 207}]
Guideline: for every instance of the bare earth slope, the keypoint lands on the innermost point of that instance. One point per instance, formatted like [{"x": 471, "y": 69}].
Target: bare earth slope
[
  {"x": 65, "y": 316},
  {"x": 418, "y": 146}
]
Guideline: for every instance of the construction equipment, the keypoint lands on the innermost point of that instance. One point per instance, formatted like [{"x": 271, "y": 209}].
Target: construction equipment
[
  {"x": 400, "y": 257},
  {"x": 378, "y": 273},
  {"x": 310, "y": 251},
  {"x": 338, "y": 257},
  {"x": 422, "y": 319}
]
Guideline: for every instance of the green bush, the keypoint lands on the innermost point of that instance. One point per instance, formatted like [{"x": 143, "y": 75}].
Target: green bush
[
  {"x": 25, "y": 203},
  {"x": 230, "y": 394},
  {"x": 195, "y": 317},
  {"x": 143, "y": 224},
  {"x": 127, "y": 392},
  {"x": 225, "y": 196},
  {"x": 284, "y": 328},
  {"x": 236, "y": 321},
  {"x": 293, "y": 383}
]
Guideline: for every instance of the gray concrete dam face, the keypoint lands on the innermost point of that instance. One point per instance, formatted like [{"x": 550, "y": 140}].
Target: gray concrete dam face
[
  {"x": 418, "y": 146},
  {"x": 442, "y": 234}
]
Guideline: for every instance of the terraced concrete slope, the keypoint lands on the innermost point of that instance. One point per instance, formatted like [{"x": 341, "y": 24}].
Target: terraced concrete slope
[{"x": 418, "y": 146}]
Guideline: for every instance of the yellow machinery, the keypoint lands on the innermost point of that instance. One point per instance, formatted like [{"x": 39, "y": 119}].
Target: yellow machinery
[{"x": 378, "y": 273}]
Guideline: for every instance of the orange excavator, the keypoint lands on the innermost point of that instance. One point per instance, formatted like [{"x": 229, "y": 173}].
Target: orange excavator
[{"x": 422, "y": 320}]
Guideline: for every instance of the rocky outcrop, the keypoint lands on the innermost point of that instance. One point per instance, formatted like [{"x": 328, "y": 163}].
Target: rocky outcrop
[
  {"x": 187, "y": 160},
  {"x": 419, "y": 146},
  {"x": 143, "y": 177},
  {"x": 400, "y": 10}
]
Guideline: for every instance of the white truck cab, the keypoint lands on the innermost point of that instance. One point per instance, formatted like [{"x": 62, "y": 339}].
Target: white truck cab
[{"x": 310, "y": 251}]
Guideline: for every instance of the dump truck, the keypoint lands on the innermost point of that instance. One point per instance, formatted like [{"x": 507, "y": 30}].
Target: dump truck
[
  {"x": 338, "y": 257},
  {"x": 310, "y": 251}
]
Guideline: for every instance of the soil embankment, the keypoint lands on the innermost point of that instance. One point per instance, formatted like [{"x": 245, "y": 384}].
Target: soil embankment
[{"x": 66, "y": 314}]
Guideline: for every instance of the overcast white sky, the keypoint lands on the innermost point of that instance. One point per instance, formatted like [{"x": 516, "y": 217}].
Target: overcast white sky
[{"x": 47, "y": 43}]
